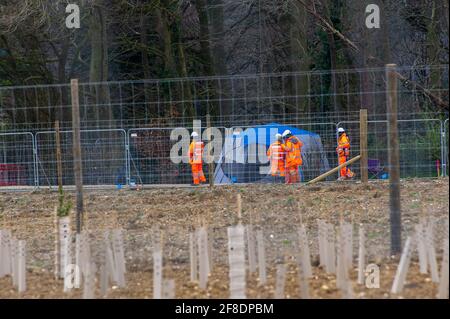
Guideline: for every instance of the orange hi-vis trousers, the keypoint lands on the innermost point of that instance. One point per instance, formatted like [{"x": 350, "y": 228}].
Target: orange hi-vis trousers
[
  {"x": 292, "y": 175},
  {"x": 197, "y": 173},
  {"x": 345, "y": 171}
]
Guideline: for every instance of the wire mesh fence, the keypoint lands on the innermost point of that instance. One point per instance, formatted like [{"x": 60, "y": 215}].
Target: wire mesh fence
[
  {"x": 126, "y": 126},
  {"x": 104, "y": 157},
  {"x": 143, "y": 155},
  {"x": 315, "y": 96},
  {"x": 421, "y": 147},
  {"x": 17, "y": 162}
]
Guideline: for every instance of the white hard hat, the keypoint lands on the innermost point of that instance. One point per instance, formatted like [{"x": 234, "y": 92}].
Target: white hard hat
[
  {"x": 287, "y": 132},
  {"x": 194, "y": 134},
  {"x": 278, "y": 136},
  {"x": 341, "y": 130}
]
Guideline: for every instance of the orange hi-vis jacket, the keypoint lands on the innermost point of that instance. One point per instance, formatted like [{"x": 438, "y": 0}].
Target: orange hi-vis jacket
[
  {"x": 343, "y": 148},
  {"x": 196, "y": 152},
  {"x": 293, "y": 148},
  {"x": 277, "y": 157}
]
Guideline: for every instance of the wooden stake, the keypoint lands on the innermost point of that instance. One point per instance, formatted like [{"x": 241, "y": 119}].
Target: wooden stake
[
  {"x": 210, "y": 157},
  {"x": 239, "y": 208},
  {"x": 334, "y": 170},
  {"x": 58, "y": 156},
  {"x": 363, "y": 145},
  {"x": 394, "y": 160},
  {"x": 78, "y": 171}
]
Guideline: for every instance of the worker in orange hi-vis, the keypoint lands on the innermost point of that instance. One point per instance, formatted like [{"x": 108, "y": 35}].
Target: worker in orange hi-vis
[
  {"x": 277, "y": 156},
  {"x": 343, "y": 151},
  {"x": 195, "y": 159},
  {"x": 293, "y": 149}
]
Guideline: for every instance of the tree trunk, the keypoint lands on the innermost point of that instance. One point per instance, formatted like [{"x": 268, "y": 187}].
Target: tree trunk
[
  {"x": 219, "y": 55},
  {"x": 205, "y": 50},
  {"x": 300, "y": 57},
  {"x": 99, "y": 65},
  {"x": 433, "y": 49},
  {"x": 145, "y": 61},
  {"x": 168, "y": 55},
  {"x": 188, "y": 109}
]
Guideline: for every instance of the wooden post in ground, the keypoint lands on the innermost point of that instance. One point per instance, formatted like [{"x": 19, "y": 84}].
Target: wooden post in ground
[
  {"x": 394, "y": 159},
  {"x": 363, "y": 145},
  {"x": 208, "y": 151},
  {"x": 58, "y": 156},
  {"x": 77, "y": 151}
]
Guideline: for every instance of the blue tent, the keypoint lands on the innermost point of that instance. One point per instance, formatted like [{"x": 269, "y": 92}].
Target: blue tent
[{"x": 243, "y": 158}]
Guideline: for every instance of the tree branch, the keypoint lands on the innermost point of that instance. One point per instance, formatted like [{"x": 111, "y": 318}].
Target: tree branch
[{"x": 405, "y": 81}]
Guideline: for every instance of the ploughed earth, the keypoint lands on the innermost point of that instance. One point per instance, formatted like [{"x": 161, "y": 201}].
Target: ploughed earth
[{"x": 276, "y": 209}]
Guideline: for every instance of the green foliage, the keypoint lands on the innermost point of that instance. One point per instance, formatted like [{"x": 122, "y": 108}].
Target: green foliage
[{"x": 63, "y": 206}]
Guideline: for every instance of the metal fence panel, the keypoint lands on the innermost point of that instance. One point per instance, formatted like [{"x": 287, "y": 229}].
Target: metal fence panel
[
  {"x": 420, "y": 147},
  {"x": 103, "y": 152},
  {"x": 17, "y": 165},
  {"x": 150, "y": 161}
]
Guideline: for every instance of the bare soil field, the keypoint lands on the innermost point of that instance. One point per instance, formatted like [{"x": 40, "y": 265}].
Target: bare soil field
[{"x": 277, "y": 209}]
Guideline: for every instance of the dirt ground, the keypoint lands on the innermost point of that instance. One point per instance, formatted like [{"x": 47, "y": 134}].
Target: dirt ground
[{"x": 276, "y": 209}]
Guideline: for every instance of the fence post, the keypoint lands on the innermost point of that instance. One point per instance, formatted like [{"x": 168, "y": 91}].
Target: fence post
[
  {"x": 127, "y": 158},
  {"x": 363, "y": 145},
  {"x": 394, "y": 159},
  {"x": 210, "y": 158},
  {"x": 446, "y": 147},
  {"x": 35, "y": 160},
  {"x": 77, "y": 167},
  {"x": 443, "y": 150},
  {"x": 58, "y": 156}
]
